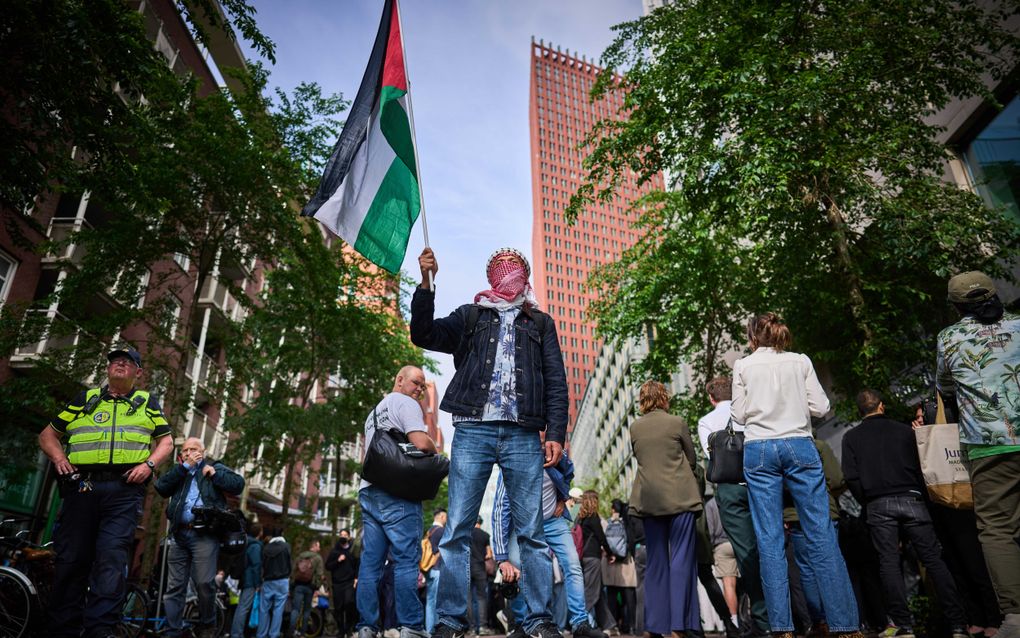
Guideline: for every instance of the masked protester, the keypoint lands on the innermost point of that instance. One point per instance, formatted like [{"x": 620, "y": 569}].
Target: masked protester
[{"x": 509, "y": 386}]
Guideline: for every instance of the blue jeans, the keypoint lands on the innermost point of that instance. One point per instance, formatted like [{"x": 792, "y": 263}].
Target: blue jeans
[
  {"x": 392, "y": 526},
  {"x": 192, "y": 558},
  {"x": 557, "y": 535},
  {"x": 769, "y": 465},
  {"x": 274, "y": 599},
  {"x": 242, "y": 612},
  {"x": 518, "y": 452},
  {"x": 300, "y": 605},
  {"x": 93, "y": 538},
  {"x": 431, "y": 587},
  {"x": 808, "y": 578}
]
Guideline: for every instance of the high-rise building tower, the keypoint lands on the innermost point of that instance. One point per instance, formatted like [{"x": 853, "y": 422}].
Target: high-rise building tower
[{"x": 561, "y": 115}]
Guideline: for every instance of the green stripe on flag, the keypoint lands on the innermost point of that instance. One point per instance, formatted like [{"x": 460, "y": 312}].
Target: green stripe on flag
[
  {"x": 383, "y": 236},
  {"x": 395, "y": 125}
]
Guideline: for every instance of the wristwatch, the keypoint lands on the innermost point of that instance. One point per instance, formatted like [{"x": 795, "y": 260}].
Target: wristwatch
[{"x": 152, "y": 466}]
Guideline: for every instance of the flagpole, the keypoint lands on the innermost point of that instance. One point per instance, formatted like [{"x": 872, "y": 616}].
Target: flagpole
[{"x": 414, "y": 135}]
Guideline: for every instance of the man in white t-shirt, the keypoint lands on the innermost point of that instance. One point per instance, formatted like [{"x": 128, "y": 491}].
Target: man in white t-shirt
[{"x": 392, "y": 526}]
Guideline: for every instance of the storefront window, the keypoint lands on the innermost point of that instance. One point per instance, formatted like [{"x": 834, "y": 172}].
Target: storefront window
[{"x": 993, "y": 159}]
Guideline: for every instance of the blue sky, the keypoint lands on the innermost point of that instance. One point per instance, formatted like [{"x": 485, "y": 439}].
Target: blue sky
[{"x": 468, "y": 64}]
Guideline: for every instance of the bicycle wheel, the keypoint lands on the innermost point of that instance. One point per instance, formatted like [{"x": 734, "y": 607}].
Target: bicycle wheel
[
  {"x": 314, "y": 627},
  {"x": 191, "y": 616},
  {"x": 134, "y": 617},
  {"x": 17, "y": 602}
]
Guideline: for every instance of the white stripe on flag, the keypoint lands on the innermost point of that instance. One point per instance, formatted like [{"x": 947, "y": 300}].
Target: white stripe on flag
[{"x": 345, "y": 211}]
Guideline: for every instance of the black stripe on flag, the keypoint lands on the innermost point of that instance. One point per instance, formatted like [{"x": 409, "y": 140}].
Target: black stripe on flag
[{"x": 354, "y": 131}]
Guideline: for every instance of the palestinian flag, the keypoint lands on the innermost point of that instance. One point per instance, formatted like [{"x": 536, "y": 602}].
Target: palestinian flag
[{"x": 369, "y": 193}]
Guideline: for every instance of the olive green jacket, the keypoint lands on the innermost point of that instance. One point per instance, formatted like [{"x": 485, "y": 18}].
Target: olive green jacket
[{"x": 665, "y": 482}]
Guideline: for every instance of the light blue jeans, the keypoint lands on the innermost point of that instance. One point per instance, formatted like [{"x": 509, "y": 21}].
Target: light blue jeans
[
  {"x": 518, "y": 452},
  {"x": 242, "y": 612},
  {"x": 560, "y": 541},
  {"x": 392, "y": 526},
  {"x": 274, "y": 599},
  {"x": 431, "y": 587},
  {"x": 794, "y": 463}
]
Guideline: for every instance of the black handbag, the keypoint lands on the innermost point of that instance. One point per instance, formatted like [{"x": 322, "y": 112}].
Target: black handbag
[
  {"x": 726, "y": 455},
  {"x": 395, "y": 465}
]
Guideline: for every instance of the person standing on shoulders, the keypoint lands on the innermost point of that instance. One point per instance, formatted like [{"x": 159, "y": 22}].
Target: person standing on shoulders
[
  {"x": 392, "y": 525},
  {"x": 509, "y": 385},
  {"x": 978, "y": 365},
  {"x": 117, "y": 436},
  {"x": 193, "y": 483},
  {"x": 775, "y": 394}
]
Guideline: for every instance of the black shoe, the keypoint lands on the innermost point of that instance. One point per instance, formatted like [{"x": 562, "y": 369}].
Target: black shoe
[
  {"x": 446, "y": 631},
  {"x": 546, "y": 630},
  {"x": 904, "y": 632},
  {"x": 585, "y": 630}
]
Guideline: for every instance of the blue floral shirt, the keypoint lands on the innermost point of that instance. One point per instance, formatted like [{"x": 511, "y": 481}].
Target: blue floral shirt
[{"x": 502, "y": 402}]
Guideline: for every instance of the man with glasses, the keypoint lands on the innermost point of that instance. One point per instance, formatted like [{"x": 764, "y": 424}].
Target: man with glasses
[{"x": 117, "y": 435}]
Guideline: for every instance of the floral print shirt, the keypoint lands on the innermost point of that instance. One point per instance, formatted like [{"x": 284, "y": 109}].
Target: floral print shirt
[
  {"x": 502, "y": 402},
  {"x": 980, "y": 364}
]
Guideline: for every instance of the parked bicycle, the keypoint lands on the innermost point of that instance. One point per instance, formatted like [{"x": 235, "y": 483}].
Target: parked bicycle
[
  {"x": 143, "y": 617},
  {"x": 25, "y": 576}
]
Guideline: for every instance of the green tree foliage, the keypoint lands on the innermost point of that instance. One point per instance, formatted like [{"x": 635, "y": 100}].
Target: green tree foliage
[
  {"x": 170, "y": 166},
  {"x": 807, "y": 173},
  {"x": 318, "y": 351}
]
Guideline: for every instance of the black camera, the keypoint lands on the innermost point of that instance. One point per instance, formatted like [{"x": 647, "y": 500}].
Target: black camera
[
  {"x": 508, "y": 590},
  {"x": 227, "y": 526}
]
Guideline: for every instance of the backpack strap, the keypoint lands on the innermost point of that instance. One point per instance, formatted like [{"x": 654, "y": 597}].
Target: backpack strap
[{"x": 472, "y": 318}]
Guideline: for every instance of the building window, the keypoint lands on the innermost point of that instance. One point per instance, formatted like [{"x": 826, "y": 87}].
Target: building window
[
  {"x": 993, "y": 159},
  {"x": 7, "y": 268}
]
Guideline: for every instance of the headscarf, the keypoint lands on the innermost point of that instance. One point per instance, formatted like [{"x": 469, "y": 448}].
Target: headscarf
[{"x": 509, "y": 281}]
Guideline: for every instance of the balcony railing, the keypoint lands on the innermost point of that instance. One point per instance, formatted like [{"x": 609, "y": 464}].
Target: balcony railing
[
  {"x": 208, "y": 369},
  {"x": 215, "y": 294},
  {"x": 60, "y": 229}
]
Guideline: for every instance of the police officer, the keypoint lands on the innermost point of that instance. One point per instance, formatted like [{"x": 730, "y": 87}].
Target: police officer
[{"x": 110, "y": 431}]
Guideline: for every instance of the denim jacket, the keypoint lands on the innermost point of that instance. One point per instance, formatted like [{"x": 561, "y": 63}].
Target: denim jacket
[
  {"x": 176, "y": 482},
  {"x": 541, "y": 379}
]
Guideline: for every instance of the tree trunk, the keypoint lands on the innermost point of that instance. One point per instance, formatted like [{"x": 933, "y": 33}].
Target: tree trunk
[
  {"x": 288, "y": 488},
  {"x": 857, "y": 305}
]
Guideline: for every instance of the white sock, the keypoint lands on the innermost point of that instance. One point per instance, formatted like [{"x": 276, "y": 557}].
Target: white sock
[{"x": 736, "y": 619}]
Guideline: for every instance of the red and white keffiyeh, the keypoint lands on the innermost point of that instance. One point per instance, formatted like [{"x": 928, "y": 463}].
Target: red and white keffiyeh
[{"x": 509, "y": 281}]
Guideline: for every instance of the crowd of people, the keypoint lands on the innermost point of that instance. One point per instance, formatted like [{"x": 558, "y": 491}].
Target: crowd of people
[{"x": 814, "y": 545}]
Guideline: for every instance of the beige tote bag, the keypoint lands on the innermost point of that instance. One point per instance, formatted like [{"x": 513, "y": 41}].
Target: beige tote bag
[{"x": 945, "y": 475}]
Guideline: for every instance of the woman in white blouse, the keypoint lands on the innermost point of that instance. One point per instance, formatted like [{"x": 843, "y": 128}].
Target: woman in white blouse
[{"x": 775, "y": 394}]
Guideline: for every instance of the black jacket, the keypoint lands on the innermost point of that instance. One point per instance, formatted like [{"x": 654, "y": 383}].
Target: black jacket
[
  {"x": 594, "y": 537},
  {"x": 541, "y": 378},
  {"x": 343, "y": 571},
  {"x": 177, "y": 481},
  {"x": 880, "y": 459},
  {"x": 275, "y": 560}
]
